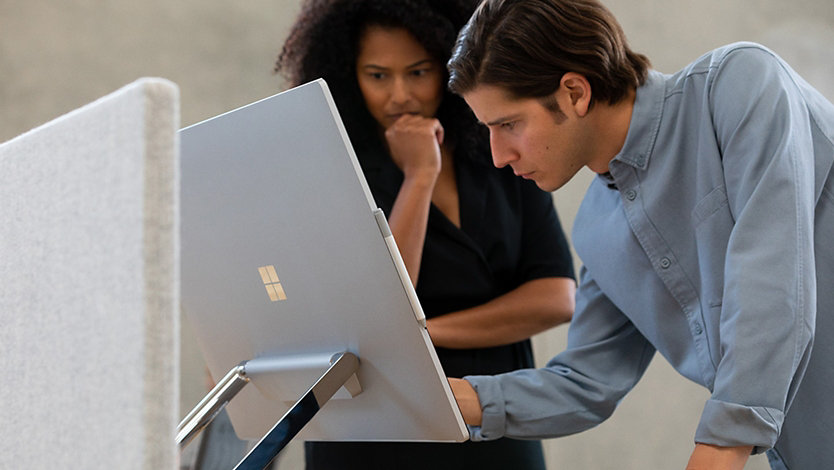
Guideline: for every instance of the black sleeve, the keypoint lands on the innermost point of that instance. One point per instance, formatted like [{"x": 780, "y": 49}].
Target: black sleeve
[{"x": 545, "y": 251}]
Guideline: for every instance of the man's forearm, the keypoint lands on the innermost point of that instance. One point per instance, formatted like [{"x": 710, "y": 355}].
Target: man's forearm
[
  {"x": 467, "y": 400},
  {"x": 709, "y": 457}
]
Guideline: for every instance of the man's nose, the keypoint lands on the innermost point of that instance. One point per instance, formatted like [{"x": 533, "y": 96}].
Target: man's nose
[{"x": 502, "y": 154}]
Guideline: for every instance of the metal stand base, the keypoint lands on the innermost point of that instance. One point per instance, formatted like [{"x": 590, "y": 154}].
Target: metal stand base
[
  {"x": 217, "y": 399},
  {"x": 342, "y": 372}
]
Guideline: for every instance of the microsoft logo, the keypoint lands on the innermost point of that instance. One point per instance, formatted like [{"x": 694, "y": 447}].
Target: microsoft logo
[{"x": 272, "y": 284}]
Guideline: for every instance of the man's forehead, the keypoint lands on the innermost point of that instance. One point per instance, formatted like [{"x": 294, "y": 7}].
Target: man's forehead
[
  {"x": 492, "y": 102},
  {"x": 491, "y": 92}
]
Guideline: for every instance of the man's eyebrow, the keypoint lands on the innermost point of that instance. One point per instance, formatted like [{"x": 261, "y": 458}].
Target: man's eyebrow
[{"x": 502, "y": 120}]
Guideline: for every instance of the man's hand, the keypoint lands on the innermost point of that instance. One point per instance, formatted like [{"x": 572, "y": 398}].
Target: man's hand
[
  {"x": 708, "y": 457},
  {"x": 467, "y": 400}
]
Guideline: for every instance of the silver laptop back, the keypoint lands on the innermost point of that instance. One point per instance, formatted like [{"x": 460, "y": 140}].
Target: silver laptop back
[{"x": 286, "y": 259}]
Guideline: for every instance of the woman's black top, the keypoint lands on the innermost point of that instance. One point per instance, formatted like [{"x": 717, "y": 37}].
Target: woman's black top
[{"x": 509, "y": 235}]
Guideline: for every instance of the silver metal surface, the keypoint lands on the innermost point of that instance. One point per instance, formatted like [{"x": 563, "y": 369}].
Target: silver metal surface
[
  {"x": 342, "y": 370},
  {"x": 275, "y": 186},
  {"x": 205, "y": 411}
]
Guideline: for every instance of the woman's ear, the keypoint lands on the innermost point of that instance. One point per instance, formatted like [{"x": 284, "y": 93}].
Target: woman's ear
[{"x": 579, "y": 91}]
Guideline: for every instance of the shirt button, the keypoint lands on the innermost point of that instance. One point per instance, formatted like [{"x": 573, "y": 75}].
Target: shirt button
[
  {"x": 665, "y": 263},
  {"x": 698, "y": 329},
  {"x": 631, "y": 195}
]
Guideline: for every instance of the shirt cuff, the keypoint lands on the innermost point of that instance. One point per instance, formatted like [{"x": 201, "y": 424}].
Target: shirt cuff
[
  {"x": 491, "y": 397},
  {"x": 730, "y": 425}
]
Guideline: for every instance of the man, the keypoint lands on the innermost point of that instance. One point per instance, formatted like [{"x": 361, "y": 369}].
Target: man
[{"x": 708, "y": 235}]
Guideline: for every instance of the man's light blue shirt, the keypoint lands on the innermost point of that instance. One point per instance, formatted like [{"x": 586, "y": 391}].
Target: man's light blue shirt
[{"x": 711, "y": 242}]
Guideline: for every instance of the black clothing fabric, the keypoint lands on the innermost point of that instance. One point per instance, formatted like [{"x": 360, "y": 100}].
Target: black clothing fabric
[
  {"x": 504, "y": 453},
  {"x": 509, "y": 235}
]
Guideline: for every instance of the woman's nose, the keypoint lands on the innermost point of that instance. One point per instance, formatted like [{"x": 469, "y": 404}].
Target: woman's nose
[{"x": 400, "y": 92}]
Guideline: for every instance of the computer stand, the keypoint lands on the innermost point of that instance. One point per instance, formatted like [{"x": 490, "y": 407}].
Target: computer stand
[{"x": 340, "y": 373}]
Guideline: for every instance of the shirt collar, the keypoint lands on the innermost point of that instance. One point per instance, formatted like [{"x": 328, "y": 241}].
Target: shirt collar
[{"x": 645, "y": 122}]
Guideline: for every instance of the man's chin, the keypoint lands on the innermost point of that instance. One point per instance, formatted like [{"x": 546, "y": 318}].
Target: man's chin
[
  {"x": 548, "y": 186},
  {"x": 544, "y": 187}
]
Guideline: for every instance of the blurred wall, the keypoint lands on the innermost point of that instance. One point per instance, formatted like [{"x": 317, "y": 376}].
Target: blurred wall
[{"x": 57, "y": 55}]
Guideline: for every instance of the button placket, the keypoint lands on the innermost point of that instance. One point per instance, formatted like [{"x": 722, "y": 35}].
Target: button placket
[{"x": 698, "y": 328}]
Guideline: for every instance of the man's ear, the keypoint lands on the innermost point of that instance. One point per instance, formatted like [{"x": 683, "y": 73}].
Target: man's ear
[{"x": 579, "y": 92}]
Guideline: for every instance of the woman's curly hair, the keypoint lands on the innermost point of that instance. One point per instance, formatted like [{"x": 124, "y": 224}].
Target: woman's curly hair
[{"x": 323, "y": 43}]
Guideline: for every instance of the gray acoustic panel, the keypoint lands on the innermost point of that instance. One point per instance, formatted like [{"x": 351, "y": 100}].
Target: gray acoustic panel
[{"x": 89, "y": 286}]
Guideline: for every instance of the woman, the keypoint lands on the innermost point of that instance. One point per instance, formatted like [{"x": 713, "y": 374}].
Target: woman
[{"x": 483, "y": 248}]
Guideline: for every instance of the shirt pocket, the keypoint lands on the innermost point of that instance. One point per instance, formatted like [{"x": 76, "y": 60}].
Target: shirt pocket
[
  {"x": 712, "y": 224},
  {"x": 709, "y": 205}
]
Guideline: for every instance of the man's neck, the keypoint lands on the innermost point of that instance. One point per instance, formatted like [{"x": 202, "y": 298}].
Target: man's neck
[{"x": 611, "y": 123}]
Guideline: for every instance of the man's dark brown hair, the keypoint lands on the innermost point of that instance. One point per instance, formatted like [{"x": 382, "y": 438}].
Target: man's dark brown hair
[{"x": 526, "y": 46}]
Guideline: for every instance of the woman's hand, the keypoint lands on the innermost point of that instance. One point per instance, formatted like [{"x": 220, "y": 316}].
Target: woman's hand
[{"x": 414, "y": 143}]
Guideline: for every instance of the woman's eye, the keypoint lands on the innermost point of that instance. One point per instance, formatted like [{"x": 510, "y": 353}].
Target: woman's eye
[{"x": 377, "y": 75}]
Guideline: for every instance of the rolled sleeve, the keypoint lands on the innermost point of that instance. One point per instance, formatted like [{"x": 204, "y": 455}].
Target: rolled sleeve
[
  {"x": 493, "y": 421},
  {"x": 730, "y": 425}
]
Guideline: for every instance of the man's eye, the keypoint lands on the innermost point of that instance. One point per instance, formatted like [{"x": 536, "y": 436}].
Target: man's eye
[{"x": 508, "y": 125}]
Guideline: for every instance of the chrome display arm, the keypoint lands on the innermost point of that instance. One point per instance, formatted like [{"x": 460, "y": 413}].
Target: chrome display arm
[
  {"x": 217, "y": 399},
  {"x": 341, "y": 372}
]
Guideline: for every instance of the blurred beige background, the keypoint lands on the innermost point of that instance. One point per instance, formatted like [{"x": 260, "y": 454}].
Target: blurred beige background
[{"x": 57, "y": 55}]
